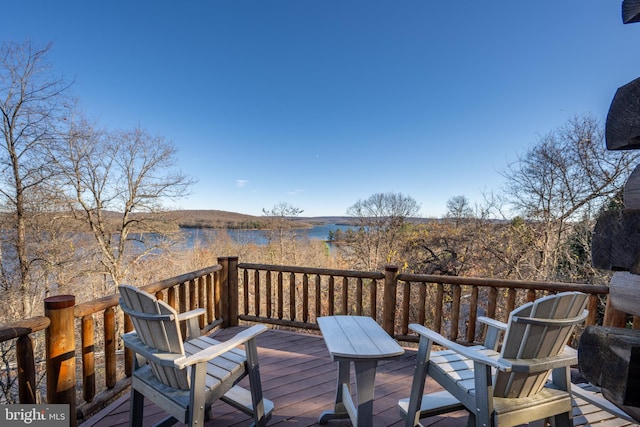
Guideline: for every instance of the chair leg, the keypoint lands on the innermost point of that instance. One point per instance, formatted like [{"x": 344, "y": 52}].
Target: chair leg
[
  {"x": 539, "y": 423},
  {"x": 471, "y": 421},
  {"x": 136, "y": 408},
  {"x": 563, "y": 420},
  {"x": 417, "y": 386},
  {"x": 484, "y": 416},
  {"x": 255, "y": 384},
  {"x": 197, "y": 406}
]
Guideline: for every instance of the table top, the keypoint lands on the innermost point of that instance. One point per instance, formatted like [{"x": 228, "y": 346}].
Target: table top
[{"x": 357, "y": 337}]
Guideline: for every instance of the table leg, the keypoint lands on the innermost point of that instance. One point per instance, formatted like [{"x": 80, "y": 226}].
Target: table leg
[
  {"x": 344, "y": 377},
  {"x": 365, "y": 381}
]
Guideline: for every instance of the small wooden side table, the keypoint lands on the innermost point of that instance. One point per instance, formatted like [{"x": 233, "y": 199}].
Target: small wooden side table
[{"x": 360, "y": 340}]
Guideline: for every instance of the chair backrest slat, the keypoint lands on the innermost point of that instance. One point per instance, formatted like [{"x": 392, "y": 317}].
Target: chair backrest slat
[{"x": 537, "y": 330}]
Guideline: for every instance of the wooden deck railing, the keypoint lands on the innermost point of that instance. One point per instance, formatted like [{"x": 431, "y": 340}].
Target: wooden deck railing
[
  {"x": 280, "y": 295},
  {"x": 297, "y": 296},
  {"x": 68, "y": 362}
]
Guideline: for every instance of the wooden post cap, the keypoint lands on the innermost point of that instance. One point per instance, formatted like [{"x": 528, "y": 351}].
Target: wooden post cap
[{"x": 58, "y": 302}]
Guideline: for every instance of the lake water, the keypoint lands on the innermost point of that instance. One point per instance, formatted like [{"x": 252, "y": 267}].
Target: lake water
[{"x": 259, "y": 237}]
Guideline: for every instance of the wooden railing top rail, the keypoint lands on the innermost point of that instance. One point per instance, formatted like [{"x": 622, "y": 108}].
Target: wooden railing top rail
[
  {"x": 23, "y": 327},
  {"x": 312, "y": 270},
  {"x": 103, "y": 303},
  {"x": 505, "y": 283}
]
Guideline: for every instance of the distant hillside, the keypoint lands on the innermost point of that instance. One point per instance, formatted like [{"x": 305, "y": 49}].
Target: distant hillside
[
  {"x": 214, "y": 219},
  {"x": 223, "y": 219},
  {"x": 172, "y": 220}
]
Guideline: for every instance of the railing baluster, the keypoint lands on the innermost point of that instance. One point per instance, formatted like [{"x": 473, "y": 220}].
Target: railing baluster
[
  {"x": 492, "y": 303},
  {"x": 171, "y": 297},
  {"x": 128, "y": 354},
  {"x": 256, "y": 291},
  {"x": 26, "y": 370},
  {"x": 280, "y": 296},
  {"x": 422, "y": 303},
  {"x": 220, "y": 307},
  {"x": 88, "y": 358},
  {"x": 210, "y": 298},
  {"x": 373, "y": 299},
  {"x": 345, "y": 295},
  {"x": 437, "y": 321},
  {"x": 455, "y": 312},
  {"x": 201, "y": 303},
  {"x": 182, "y": 304},
  {"x": 110, "y": 347},
  {"x": 182, "y": 297},
  {"x": 406, "y": 299},
  {"x": 305, "y": 298},
  {"x": 332, "y": 295},
  {"x": 511, "y": 301},
  {"x": 359, "y": 296},
  {"x": 473, "y": 315},
  {"x": 292, "y": 296},
  {"x": 268, "y": 291},
  {"x": 245, "y": 289},
  {"x": 531, "y": 295},
  {"x": 318, "y": 296}
]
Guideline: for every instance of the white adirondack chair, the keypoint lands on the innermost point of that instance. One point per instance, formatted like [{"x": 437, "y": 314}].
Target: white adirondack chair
[
  {"x": 509, "y": 387},
  {"x": 185, "y": 378}
]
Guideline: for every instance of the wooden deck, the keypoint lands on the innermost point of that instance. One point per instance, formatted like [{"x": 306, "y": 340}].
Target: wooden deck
[{"x": 300, "y": 378}]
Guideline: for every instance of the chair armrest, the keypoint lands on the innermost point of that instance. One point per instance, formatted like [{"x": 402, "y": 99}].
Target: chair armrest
[
  {"x": 191, "y": 317},
  {"x": 493, "y": 323},
  {"x": 495, "y": 330},
  {"x": 468, "y": 352},
  {"x": 567, "y": 358},
  {"x": 191, "y": 313},
  {"x": 216, "y": 350}
]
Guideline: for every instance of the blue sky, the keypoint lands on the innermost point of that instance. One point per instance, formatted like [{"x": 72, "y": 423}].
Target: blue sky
[{"x": 321, "y": 103}]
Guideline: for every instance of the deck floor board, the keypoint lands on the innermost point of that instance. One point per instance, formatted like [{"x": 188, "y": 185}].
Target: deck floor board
[{"x": 300, "y": 378}]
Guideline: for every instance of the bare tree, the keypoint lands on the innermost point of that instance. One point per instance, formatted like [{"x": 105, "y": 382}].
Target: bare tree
[
  {"x": 564, "y": 180},
  {"x": 459, "y": 209},
  {"x": 281, "y": 235},
  {"x": 31, "y": 104},
  {"x": 116, "y": 181},
  {"x": 380, "y": 220}
]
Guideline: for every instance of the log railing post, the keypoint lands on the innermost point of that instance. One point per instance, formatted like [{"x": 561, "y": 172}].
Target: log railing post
[
  {"x": 223, "y": 310},
  {"x": 389, "y": 299},
  {"x": 26, "y": 370},
  {"x": 60, "y": 353},
  {"x": 233, "y": 288}
]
